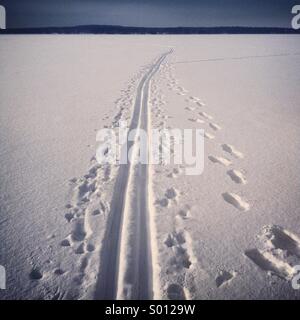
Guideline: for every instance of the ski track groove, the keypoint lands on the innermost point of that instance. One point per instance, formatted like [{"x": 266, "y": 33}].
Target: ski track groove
[{"x": 138, "y": 270}]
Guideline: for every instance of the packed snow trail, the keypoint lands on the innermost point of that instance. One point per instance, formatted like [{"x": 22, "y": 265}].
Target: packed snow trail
[{"x": 126, "y": 257}]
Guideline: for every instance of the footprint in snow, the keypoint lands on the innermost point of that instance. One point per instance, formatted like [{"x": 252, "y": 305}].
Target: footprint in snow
[
  {"x": 196, "y": 120},
  {"x": 220, "y": 160},
  {"x": 184, "y": 213},
  {"x": 237, "y": 176},
  {"x": 175, "y": 238},
  {"x": 209, "y": 136},
  {"x": 79, "y": 232},
  {"x": 175, "y": 292},
  {"x": 215, "y": 126},
  {"x": 171, "y": 194},
  {"x": 236, "y": 201},
  {"x": 225, "y": 277},
  {"x": 232, "y": 150},
  {"x": 190, "y": 108},
  {"x": 66, "y": 242},
  {"x": 205, "y": 115},
  {"x": 175, "y": 172},
  {"x": 36, "y": 274},
  {"x": 163, "y": 202},
  {"x": 270, "y": 263}
]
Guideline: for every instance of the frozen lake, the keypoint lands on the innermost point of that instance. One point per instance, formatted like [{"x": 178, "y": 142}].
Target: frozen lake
[{"x": 71, "y": 229}]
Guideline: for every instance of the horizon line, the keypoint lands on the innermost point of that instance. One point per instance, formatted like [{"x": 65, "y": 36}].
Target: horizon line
[{"x": 147, "y": 27}]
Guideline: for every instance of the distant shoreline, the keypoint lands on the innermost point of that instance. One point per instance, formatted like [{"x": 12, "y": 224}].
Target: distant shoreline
[{"x": 107, "y": 29}]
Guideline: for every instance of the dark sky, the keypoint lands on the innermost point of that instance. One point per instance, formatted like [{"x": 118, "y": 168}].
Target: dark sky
[{"x": 41, "y": 13}]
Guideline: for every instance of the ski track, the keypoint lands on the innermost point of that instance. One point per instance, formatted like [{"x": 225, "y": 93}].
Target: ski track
[
  {"x": 126, "y": 266},
  {"x": 129, "y": 259}
]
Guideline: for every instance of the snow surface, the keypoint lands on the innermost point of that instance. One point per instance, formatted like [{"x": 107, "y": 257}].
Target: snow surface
[{"x": 231, "y": 233}]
